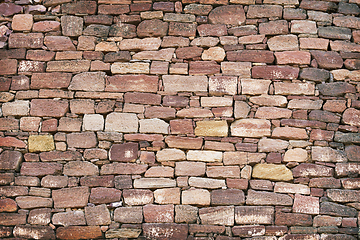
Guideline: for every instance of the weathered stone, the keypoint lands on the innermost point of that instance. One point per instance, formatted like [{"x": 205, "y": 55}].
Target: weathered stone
[
  {"x": 126, "y": 152},
  {"x": 275, "y": 72},
  {"x": 158, "y": 213},
  {"x": 134, "y": 197},
  {"x": 282, "y": 187},
  {"x": 161, "y": 55},
  {"x": 264, "y": 11},
  {"x": 217, "y": 215},
  {"x": 79, "y": 232},
  {"x": 221, "y": 85},
  {"x": 164, "y": 231},
  {"x": 183, "y": 142},
  {"x": 327, "y": 60},
  {"x": 10, "y": 160},
  {"x": 153, "y": 125},
  {"x": 9, "y": 9},
  {"x": 28, "y": 202},
  {"x": 341, "y": 196},
  {"x": 312, "y": 170},
  {"x": 259, "y": 56},
  {"x": 199, "y": 197},
  {"x": 213, "y": 53},
  {"x": 327, "y": 154},
  {"x": 332, "y": 32},
  {"x": 40, "y": 216},
  {"x": 205, "y": 41},
  {"x": 81, "y": 140},
  {"x": 250, "y": 128},
  {"x": 289, "y": 133},
  {"x": 80, "y": 168},
  {"x": 272, "y": 172},
  {"x": 185, "y": 214},
  {"x": 123, "y": 168},
  {"x": 123, "y": 30},
  {"x": 296, "y": 155},
  {"x": 206, "y": 183},
  {"x": 88, "y": 81},
  {"x": 232, "y": 15},
  {"x": 121, "y": 122},
  {"x": 170, "y": 155},
  {"x": 145, "y": 44},
  {"x": 267, "y": 198},
  {"x": 306, "y": 204},
  {"x": 179, "y": 83},
  {"x": 84, "y": 7},
  {"x": 334, "y": 209},
  {"x": 68, "y": 66},
  {"x": 128, "y": 83},
  {"x": 79, "y": 196},
  {"x": 33, "y": 232},
  {"x": 97, "y": 215},
  {"x": 293, "y": 57},
  {"x": 154, "y": 183},
  {"x": 204, "y": 68},
  {"x": 293, "y": 219},
  {"x": 190, "y": 168},
  {"x": 8, "y": 205},
  {"x": 274, "y": 27},
  {"x": 128, "y": 215},
  {"x": 283, "y": 43},
  {"x": 272, "y": 145},
  {"x": 152, "y": 28},
  {"x": 254, "y": 215},
  {"x": 182, "y": 29},
  {"x": 71, "y": 25},
  {"x": 204, "y": 156},
  {"x": 123, "y": 233},
  {"x": 227, "y": 197}
]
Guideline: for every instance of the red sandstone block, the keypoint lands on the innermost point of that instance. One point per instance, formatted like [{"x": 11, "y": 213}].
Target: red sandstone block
[
  {"x": 11, "y": 142},
  {"x": 153, "y": 28},
  {"x": 29, "y": 40},
  {"x": 215, "y": 30},
  {"x": 188, "y": 52},
  {"x": 48, "y": 107},
  {"x": 260, "y": 56},
  {"x": 275, "y": 72},
  {"x": 79, "y": 232},
  {"x": 82, "y": 7},
  {"x": 128, "y": 83},
  {"x": 158, "y": 213},
  {"x": 8, "y": 66},
  {"x": 101, "y": 195},
  {"x": 182, "y": 29},
  {"x": 204, "y": 68}
]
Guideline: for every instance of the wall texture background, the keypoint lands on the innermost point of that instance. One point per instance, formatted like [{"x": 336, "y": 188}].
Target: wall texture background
[{"x": 195, "y": 119}]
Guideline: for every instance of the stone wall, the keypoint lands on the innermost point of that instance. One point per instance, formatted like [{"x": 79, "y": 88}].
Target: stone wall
[{"x": 195, "y": 119}]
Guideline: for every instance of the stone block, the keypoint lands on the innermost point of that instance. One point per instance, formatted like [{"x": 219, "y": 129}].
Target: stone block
[{"x": 79, "y": 196}]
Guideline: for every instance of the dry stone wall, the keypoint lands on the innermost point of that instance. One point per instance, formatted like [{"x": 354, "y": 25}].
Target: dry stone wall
[{"x": 192, "y": 119}]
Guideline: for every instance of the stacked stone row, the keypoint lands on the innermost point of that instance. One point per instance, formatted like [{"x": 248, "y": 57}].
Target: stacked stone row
[{"x": 194, "y": 119}]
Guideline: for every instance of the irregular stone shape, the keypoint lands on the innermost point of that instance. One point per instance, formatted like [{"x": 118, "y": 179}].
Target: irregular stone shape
[
  {"x": 327, "y": 154},
  {"x": 9, "y": 9},
  {"x": 153, "y": 125},
  {"x": 126, "y": 152},
  {"x": 327, "y": 60},
  {"x": 267, "y": 198},
  {"x": 275, "y": 72},
  {"x": 200, "y": 197},
  {"x": 34, "y": 232},
  {"x": 123, "y": 30},
  {"x": 347, "y": 21},
  {"x": 332, "y": 32},
  {"x": 211, "y": 128},
  {"x": 214, "y": 53},
  {"x": 40, "y": 168},
  {"x": 217, "y": 215},
  {"x": 170, "y": 155},
  {"x": 254, "y": 215},
  {"x": 96, "y": 30},
  {"x": 152, "y": 28},
  {"x": 306, "y": 204},
  {"x": 121, "y": 122},
  {"x": 79, "y": 196},
  {"x": 123, "y": 168},
  {"x": 128, "y": 215},
  {"x": 10, "y": 160},
  {"x": 283, "y": 43},
  {"x": 84, "y": 7},
  {"x": 69, "y": 218},
  {"x": 59, "y": 43},
  {"x": 272, "y": 145},
  {"x": 250, "y": 128},
  {"x": 167, "y": 196},
  {"x": 79, "y": 232},
  {"x": 161, "y": 55},
  {"x": 8, "y": 205},
  {"x": 185, "y": 214},
  {"x": 205, "y": 41},
  {"x": 312, "y": 170},
  {"x": 11, "y": 142},
  {"x": 339, "y": 195},
  {"x": 347, "y": 137},
  {"x": 293, "y": 219},
  {"x": 164, "y": 231},
  {"x": 289, "y": 133},
  {"x": 97, "y": 215},
  {"x": 272, "y": 172},
  {"x": 276, "y": 27},
  {"x": 351, "y": 116},
  {"x": 80, "y": 168},
  {"x": 41, "y": 143},
  {"x": 71, "y": 25},
  {"x": 40, "y": 216},
  {"x": 334, "y": 209},
  {"x": 324, "y": 116},
  {"x": 134, "y": 197},
  {"x": 123, "y": 233},
  {"x": 204, "y": 156},
  {"x": 232, "y": 15},
  {"x": 88, "y": 81},
  {"x": 352, "y": 153},
  {"x": 264, "y": 11},
  {"x": 222, "y": 85},
  {"x": 272, "y": 113},
  {"x": 28, "y": 202}
]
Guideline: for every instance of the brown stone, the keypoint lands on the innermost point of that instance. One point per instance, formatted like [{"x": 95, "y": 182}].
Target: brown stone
[
  {"x": 60, "y": 156},
  {"x": 13, "y": 191},
  {"x": 46, "y": 26},
  {"x": 248, "y": 231},
  {"x": 79, "y": 232},
  {"x": 289, "y": 133},
  {"x": 79, "y": 197},
  {"x": 11, "y": 142},
  {"x": 177, "y": 83},
  {"x": 223, "y": 172},
  {"x": 164, "y": 231},
  {"x": 97, "y": 215},
  {"x": 264, "y": 11},
  {"x": 181, "y": 126},
  {"x": 123, "y": 168},
  {"x": 143, "y": 98},
  {"x": 126, "y": 152},
  {"x": 40, "y": 168},
  {"x": 327, "y": 60},
  {"x": 254, "y": 215},
  {"x": 81, "y": 140},
  {"x": 8, "y": 205},
  {"x": 182, "y": 29},
  {"x": 158, "y": 213},
  {"x": 9, "y": 9},
  {"x": 275, "y": 72},
  {"x": 10, "y": 160},
  {"x": 293, "y": 219},
  {"x": 227, "y": 197},
  {"x": 152, "y": 28},
  {"x": 134, "y": 197},
  {"x": 50, "y": 80},
  {"x": 225, "y": 15},
  {"x": 216, "y": 30},
  {"x": 59, "y": 43},
  {"x": 259, "y": 56},
  {"x": 83, "y": 7},
  {"x": 128, "y": 215},
  {"x": 274, "y": 27},
  {"x": 188, "y": 52},
  {"x": 306, "y": 204},
  {"x": 123, "y": 83},
  {"x": 8, "y": 66},
  {"x": 217, "y": 215},
  {"x": 32, "y": 232},
  {"x": 204, "y": 68},
  {"x": 267, "y": 198},
  {"x": 312, "y": 170},
  {"x": 293, "y": 57},
  {"x": 51, "y": 181},
  {"x": 29, "y": 40},
  {"x": 12, "y": 219},
  {"x": 68, "y": 66},
  {"x": 28, "y": 202}
]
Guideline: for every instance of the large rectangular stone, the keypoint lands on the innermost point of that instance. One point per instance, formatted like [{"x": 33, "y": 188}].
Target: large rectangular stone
[
  {"x": 177, "y": 83},
  {"x": 217, "y": 215},
  {"x": 250, "y": 128},
  {"x": 50, "y": 80},
  {"x": 68, "y": 66},
  {"x": 129, "y": 83},
  {"x": 79, "y": 197},
  {"x": 254, "y": 215}
]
